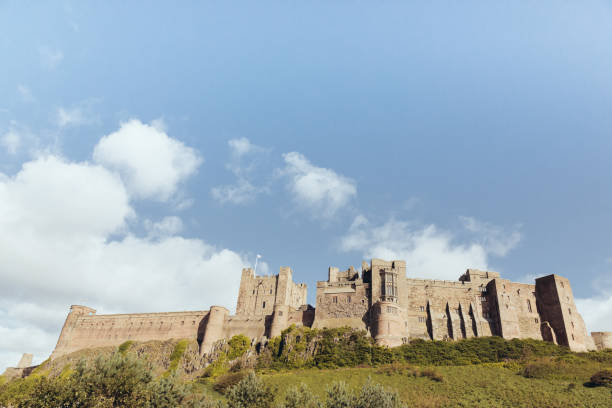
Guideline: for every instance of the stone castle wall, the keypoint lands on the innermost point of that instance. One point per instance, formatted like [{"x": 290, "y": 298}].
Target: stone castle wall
[
  {"x": 85, "y": 329},
  {"x": 602, "y": 340},
  {"x": 380, "y": 300}
]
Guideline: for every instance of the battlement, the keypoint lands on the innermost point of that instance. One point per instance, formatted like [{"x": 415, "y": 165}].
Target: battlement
[
  {"x": 259, "y": 294},
  {"x": 475, "y": 275}
]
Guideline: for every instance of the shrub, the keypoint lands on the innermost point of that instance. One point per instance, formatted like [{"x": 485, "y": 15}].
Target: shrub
[
  {"x": 602, "y": 378},
  {"x": 542, "y": 368},
  {"x": 339, "y": 396},
  {"x": 115, "y": 381},
  {"x": 376, "y": 396},
  {"x": 251, "y": 392},
  {"x": 300, "y": 397},
  {"x": 217, "y": 368},
  {"x": 227, "y": 381},
  {"x": 238, "y": 345}
]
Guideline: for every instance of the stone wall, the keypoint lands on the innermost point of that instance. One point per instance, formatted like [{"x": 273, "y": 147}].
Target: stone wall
[
  {"x": 343, "y": 300},
  {"x": 84, "y": 329},
  {"x": 602, "y": 340}
]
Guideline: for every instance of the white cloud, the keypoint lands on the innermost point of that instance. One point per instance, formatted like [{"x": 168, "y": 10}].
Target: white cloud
[
  {"x": 495, "y": 239},
  {"x": 597, "y": 310},
  {"x": 65, "y": 239},
  {"x": 428, "y": 251},
  {"x": 82, "y": 113},
  {"x": 25, "y": 93},
  {"x": 168, "y": 226},
  {"x": 242, "y": 146},
  {"x": 70, "y": 116},
  {"x": 243, "y": 191},
  {"x": 11, "y": 141},
  {"x": 321, "y": 190},
  {"x": 50, "y": 58},
  {"x": 152, "y": 164}
]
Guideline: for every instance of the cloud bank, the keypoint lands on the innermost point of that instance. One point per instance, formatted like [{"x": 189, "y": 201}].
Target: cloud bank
[{"x": 66, "y": 237}]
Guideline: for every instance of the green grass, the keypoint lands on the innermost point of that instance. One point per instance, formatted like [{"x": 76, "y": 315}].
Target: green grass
[
  {"x": 487, "y": 371},
  {"x": 490, "y": 385},
  {"x": 175, "y": 357}
]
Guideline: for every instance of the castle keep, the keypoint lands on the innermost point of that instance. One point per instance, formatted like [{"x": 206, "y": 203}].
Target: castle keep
[{"x": 381, "y": 300}]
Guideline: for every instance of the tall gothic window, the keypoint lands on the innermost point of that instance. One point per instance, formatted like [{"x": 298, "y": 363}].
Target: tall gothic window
[{"x": 388, "y": 282}]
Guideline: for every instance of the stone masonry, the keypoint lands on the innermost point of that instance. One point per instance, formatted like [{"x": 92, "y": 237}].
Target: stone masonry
[{"x": 380, "y": 299}]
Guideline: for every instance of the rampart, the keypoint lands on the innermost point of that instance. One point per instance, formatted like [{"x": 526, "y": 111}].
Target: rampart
[{"x": 379, "y": 299}]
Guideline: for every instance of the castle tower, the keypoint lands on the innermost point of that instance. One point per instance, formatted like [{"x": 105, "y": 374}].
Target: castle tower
[
  {"x": 556, "y": 307},
  {"x": 388, "y": 311},
  {"x": 215, "y": 328}
]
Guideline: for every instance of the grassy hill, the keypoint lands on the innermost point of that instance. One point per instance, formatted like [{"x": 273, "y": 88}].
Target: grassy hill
[{"x": 490, "y": 372}]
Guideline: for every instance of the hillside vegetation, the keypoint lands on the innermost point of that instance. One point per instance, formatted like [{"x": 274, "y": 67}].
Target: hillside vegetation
[{"x": 320, "y": 368}]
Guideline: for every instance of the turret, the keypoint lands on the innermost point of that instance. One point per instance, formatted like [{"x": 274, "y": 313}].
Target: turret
[
  {"x": 215, "y": 328},
  {"x": 280, "y": 320}
]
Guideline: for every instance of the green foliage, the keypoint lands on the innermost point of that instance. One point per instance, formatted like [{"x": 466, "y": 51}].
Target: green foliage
[
  {"x": 115, "y": 381},
  {"x": 602, "y": 378},
  {"x": 323, "y": 348},
  {"x": 474, "y": 351},
  {"x": 339, "y": 396},
  {"x": 251, "y": 392},
  {"x": 227, "y": 381},
  {"x": 238, "y": 345},
  {"x": 218, "y": 367},
  {"x": 345, "y": 347},
  {"x": 376, "y": 396},
  {"x": 177, "y": 354},
  {"x": 124, "y": 347},
  {"x": 300, "y": 397}
]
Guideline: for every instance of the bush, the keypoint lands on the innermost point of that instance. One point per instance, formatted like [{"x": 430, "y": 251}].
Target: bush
[
  {"x": 376, "y": 396},
  {"x": 339, "y": 396},
  {"x": 300, "y": 397},
  {"x": 238, "y": 345},
  {"x": 251, "y": 392},
  {"x": 227, "y": 381},
  {"x": 602, "y": 378},
  {"x": 541, "y": 368},
  {"x": 115, "y": 381}
]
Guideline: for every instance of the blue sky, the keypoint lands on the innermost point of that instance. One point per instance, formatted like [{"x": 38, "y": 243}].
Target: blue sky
[{"x": 148, "y": 151}]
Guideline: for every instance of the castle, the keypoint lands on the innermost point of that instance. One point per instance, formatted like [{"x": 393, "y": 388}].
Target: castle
[{"x": 381, "y": 300}]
